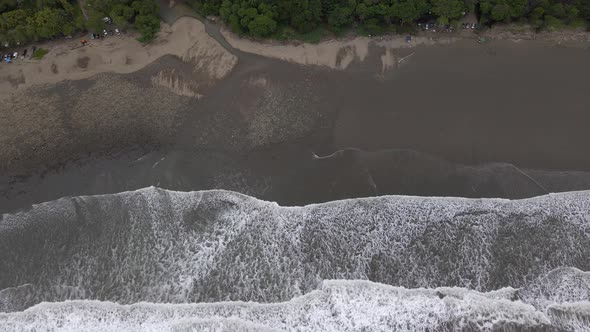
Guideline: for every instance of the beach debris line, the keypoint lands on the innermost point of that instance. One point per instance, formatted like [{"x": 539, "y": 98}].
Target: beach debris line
[{"x": 404, "y": 58}]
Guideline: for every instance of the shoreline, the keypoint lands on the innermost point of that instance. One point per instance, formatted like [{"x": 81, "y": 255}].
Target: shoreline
[
  {"x": 68, "y": 60},
  {"x": 69, "y": 104},
  {"x": 123, "y": 54},
  {"x": 463, "y": 102},
  {"x": 337, "y": 53},
  {"x": 340, "y": 53}
]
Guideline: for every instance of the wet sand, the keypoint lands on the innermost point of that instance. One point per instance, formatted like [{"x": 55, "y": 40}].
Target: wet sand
[
  {"x": 481, "y": 114},
  {"x": 519, "y": 103},
  {"x": 63, "y": 108},
  {"x": 68, "y": 60}
]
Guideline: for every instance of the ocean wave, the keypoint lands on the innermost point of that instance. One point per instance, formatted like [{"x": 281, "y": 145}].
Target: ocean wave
[
  {"x": 338, "y": 305},
  {"x": 563, "y": 285},
  {"x": 177, "y": 247}
]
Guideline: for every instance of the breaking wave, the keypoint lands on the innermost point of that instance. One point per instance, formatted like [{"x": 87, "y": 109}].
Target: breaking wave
[
  {"x": 510, "y": 264},
  {"x": 336, "y": 306}
]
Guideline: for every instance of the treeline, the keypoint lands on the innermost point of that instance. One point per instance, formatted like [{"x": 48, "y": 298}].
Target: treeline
[
  {"x": 270, "y": 18},
  {"x": 141, "y": 14},
  {"x": 22, "y": 21}
]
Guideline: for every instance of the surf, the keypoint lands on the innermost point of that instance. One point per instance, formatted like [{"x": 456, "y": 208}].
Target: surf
[{"x": 157, "y": 245}]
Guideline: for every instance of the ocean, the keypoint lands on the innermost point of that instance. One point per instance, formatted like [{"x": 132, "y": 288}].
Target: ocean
[{"x": 216, "y": 260}]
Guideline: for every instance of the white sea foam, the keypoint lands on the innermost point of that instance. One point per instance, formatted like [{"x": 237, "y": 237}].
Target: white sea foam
[
  {"x": 165, "y": 246},
  {"x": 336, "y": 306},
  {"x": 558, "y": 286},
  {"x": 161, "y": 246}
]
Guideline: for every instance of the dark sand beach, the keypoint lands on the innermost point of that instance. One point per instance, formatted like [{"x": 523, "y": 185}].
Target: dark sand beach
[{"x": 502, "y": 119}]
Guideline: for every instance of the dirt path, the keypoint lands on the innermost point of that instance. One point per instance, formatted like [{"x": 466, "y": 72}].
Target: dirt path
[{"x": 82, "y": 5}]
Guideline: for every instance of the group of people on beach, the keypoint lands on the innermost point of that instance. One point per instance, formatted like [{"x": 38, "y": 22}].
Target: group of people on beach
[{"x": 9, "y": 57}]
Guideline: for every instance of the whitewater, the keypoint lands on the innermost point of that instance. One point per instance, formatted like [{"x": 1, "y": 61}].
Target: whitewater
[{"x": 154, "y": 259}]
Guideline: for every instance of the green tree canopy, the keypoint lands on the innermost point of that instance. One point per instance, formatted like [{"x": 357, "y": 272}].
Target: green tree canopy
[
  {"x": 503, "y": 10},
  {"x": 305, "y": 14},
  {"x": 447, "y": 9},
  {"x": 14, "y": 18},
  {"x": 7, "y": 5},
  {"x": 340, "y": 16},
  {"x": 145, "y": 7},
  {"x": 47, "y": 23},
  {"x": 380, "y": 15},
  {"x": 123, "y": 11},
  {"x": 148, "y": 26},
  {"x": 262, "y": 26},
  {"x": 95, "y": 22},
  {"x": 409, "y": 10}
]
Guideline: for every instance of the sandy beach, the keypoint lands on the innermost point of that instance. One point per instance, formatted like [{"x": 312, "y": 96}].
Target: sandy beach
[
  {"x": 210, "y": 118},
  {"x": 340, "y": 53},
  {"x": 335, "y": 53},
  {"x": 74, "y": 102},
  {"x": 69, "y": 60}
]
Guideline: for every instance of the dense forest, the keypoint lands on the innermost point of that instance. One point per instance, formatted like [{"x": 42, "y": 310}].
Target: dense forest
[
  {"x": 22, "y": 21},
  {"x": 279, "y": 18},
  {"x": 26, "y": 20}
]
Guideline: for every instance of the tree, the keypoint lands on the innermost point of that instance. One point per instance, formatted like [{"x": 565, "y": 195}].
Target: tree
[
  {"x": 584, "y": 7},
  {"x": 372, "y": 26},
  {"x": 267, "y": 10},
  {"x": 148, "y": 26},
  {"x": 68, "y": 8},
  {"x": 504, "y": 10},
  {"x": 447, "y": 9},
  {"x": 22, "y": 33},
  {"x": 363, "y": 11},
  {"x": 552, "y": 23},
  {"x": 48, "y": 22},
  {"x": 571, "y": 13},
  {"x": 305, "y": 14},
  {"x": 14, "y": 18},
  {"x": 26, "y": 20},
  {"x": 121, "y": 15},
  {"x": 247, "y": 15},
  {"x": 7, "y": 5},
  {"x": 120, "y": 22},
  {"x": 125, "y": 12},
  {"x": 95, "y": 22},
  {"x": 340, "y": 17},
  {"x": 145, "y": 7},
  {"x": 557, "y": 10},
  {"x": 69, "y": 28},
  {"x": 234, "y": 23},
  {"x": 501, "y": 12},
  {"x": 409, "y": 10},
  {"x": 536, "y": 17},
  {"x": 262, "y": 26},
  {"x": 225, "y": 10}
]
